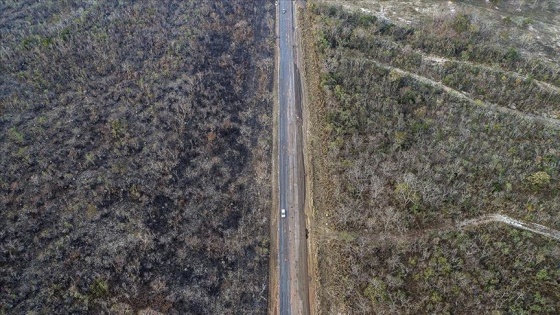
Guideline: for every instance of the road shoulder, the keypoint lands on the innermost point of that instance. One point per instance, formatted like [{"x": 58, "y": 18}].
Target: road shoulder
[
  {"x": 310, "y": 82},
  {"x": 273, "y": 280}
]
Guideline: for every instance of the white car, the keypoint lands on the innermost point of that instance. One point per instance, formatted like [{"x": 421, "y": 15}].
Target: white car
[
  {"x": 283, "y": 10},
  {"x": 283, "y": 213}
]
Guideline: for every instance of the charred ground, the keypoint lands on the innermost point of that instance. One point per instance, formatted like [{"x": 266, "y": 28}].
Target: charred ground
[{"x": 134, "y": 157}]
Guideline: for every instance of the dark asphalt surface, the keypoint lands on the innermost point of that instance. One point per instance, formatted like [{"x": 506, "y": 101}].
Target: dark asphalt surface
[{"x": 286, "y": 99}]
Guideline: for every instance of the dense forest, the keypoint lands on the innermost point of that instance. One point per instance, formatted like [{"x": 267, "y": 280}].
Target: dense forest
[
  {"x": 135, "y": 144},
  {"x": 416, "y": 129}
]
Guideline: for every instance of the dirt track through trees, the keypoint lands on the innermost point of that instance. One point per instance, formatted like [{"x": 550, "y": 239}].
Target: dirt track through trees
[
  {"x": 331, "y": 235},
  {"x": 549, "y": 122},
  {"x": 527, "y": 226}
]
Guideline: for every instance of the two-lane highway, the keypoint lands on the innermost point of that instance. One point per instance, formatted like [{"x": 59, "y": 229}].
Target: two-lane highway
[
  {"x": 285, "y": 98},
  {"x": 292, "y": 248}
]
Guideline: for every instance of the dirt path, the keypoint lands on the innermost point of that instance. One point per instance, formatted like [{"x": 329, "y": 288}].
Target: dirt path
[
  {"x": 307, "y": 176},
  {"x": 527, "y": 226},
  {"x": 438, "y": 59},
  {"x": 549, "y": 122},
  {"x": 329, "y": 235}
]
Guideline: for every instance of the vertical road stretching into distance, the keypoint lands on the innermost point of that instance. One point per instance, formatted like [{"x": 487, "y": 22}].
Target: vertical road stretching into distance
[
  {"x": 285, "y": 97},
  {"x": 292, "y": 247}
]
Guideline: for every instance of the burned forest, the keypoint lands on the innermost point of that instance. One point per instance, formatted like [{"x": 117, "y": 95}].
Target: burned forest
[{"x": 135, "y": 150}]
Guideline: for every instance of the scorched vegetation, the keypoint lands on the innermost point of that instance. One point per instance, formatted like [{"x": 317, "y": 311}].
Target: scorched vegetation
[{"x": 134, "y": 156}]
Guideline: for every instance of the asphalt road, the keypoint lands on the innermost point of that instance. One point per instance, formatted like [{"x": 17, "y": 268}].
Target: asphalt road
[
  {"x": 285, "y": 97},
  {"x": 292, "y": 250}
]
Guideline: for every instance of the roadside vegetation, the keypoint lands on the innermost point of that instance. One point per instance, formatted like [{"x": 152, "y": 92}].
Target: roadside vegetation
[
  {"x": 135, "y": 153},
  {"x": 419, "y": 128}
]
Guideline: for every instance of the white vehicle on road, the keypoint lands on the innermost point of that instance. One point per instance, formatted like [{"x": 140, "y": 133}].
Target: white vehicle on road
[{"x": 283, "y": 213}]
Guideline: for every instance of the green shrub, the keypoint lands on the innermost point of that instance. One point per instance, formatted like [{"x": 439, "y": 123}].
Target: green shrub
[
  {"x": 322, "y": 42},
  {"x": 99, "y": 288},
  {"x": 507, "y": 20},
  {"x": 376, "y": 291},
  {"x": 407, "y": 196},
  {"x": 16, "y": 136},
  {"x": 542, "y": 275},
  {"x": 526, "y": 22},
  {"x": 461, "y": 23},
  {"x": 366, "y": 20},
  {"x": 539, "y": 180},
  {"x": 512, "y": 55}
]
